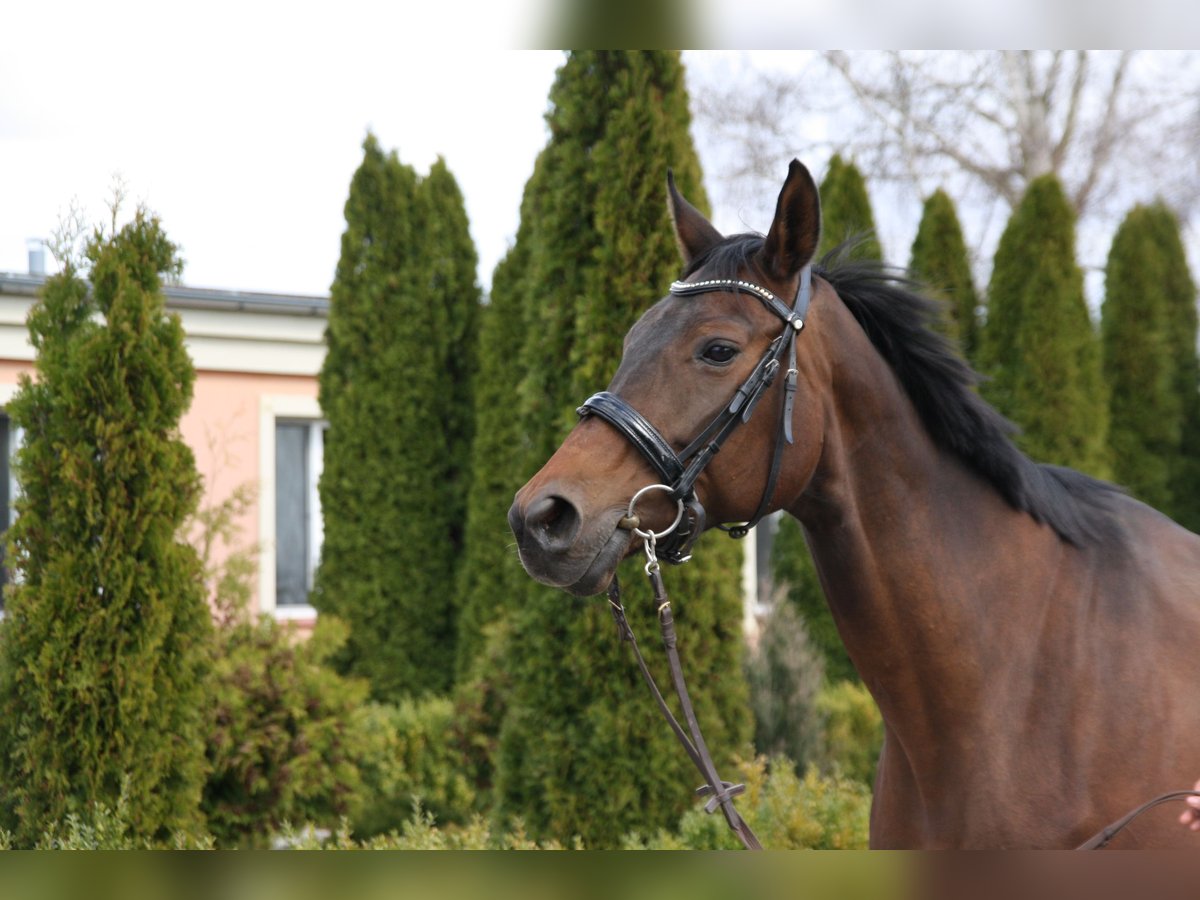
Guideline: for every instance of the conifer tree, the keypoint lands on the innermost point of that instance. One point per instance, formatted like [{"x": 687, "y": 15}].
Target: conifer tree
[
  {"x": 583, "y": 750},
  {"x": 939, "y": 260},
  {"x": 106, "y": 643},
  {"x": 1180, "y": 295},
  {"x": 1039, "y": 347},
  {"x": 846, "y": 211},
  {"x": 393, "y": 385},
  {"x": 454, "y": 302},
  {"x": 1146, "y": 412},
  {"x": 490, "y": 576}
]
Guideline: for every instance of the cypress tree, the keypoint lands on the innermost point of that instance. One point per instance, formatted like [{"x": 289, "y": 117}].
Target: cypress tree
[
  {"x": 1179, "y": 291},
  {"x": 454, "y": 302},
  {"x": 582, "y": 749},
  {"x": 1039, "y": 346},
  {"x": 393, "y": 388},
  {"x": 1146, "y": 413},
  {"x": 490, "y": 576},
  {"x": 106, "y": 644},
  {"x": 939, "y": 260},
  {"x": 846, "y": 211}
]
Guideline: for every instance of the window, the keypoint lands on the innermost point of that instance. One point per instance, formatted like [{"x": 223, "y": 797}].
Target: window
[
  {"x": 299, "y": 449},
  {"x": 10, "y": 439}
]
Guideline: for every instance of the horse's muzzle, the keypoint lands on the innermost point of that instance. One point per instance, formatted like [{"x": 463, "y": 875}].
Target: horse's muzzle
[{"x": 557, "y": 550}]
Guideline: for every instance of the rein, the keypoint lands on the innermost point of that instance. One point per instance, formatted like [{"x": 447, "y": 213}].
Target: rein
[
  {"x": 1101, "y": 839},
  {"x": 719, "y": 792},
  {"x": 679, "y": 473}
]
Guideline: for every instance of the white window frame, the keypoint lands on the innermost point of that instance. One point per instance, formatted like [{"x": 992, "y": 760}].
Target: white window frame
[
  {"x": 15, "y": 439},
  {"x": 274, "y": 409}
]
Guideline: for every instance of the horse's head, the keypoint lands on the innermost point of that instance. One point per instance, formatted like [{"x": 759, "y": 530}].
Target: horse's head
[{"x": 685, "y": 362}]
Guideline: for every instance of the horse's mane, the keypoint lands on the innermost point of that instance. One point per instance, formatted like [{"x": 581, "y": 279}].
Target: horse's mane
[{"x": 898, "y": 319}]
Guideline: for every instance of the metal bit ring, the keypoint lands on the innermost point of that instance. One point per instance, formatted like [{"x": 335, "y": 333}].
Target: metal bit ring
[{"x": 654, "y": 535}]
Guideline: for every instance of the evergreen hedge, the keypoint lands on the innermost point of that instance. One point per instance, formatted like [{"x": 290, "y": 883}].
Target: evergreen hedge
[
  {"x": 1179, "y": 290},
  {"x": 582, "y": 750},
  {"x": 1146, "y": 412},
  {"x": 105, "y": 647},
  {"x": 939, "y": 260},
  {"x": 1039, "y": 346},
  {"x": 846, "y": 211},
  {"x": 286, "y": 740},
  {"x": 490, "y": 576},
  {"x": 394, "y": 387}
]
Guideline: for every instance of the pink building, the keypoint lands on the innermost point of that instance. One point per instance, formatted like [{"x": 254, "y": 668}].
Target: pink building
[{"x": 254, "y": 419}]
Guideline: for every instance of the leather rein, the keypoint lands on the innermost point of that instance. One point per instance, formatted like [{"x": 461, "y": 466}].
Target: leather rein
[{"x": 679, "y": 472}]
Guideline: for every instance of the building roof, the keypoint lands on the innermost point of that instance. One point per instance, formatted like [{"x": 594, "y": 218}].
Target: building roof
[{"x": 183, "y": 297}]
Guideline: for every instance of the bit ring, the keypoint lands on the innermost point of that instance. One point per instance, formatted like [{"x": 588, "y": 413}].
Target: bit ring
[{"x": 654, "y": 535}]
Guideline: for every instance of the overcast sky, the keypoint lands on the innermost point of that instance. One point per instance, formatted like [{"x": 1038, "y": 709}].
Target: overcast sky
[
  {"x": 240, "y": 122},
  {"x": 242, "y": 131}
]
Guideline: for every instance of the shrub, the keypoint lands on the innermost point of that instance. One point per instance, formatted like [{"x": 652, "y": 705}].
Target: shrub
[
  {"x": 785, "y": 673},
  {"x": 286, "y": 734},
  {"x": 395, "y": 387},
  {"x": 794, "y": 576},
  {"x": 582, "y": 749},
  {"x": 787, "y": 812},
  {"x": 1038, "y": 348},
  {"x": 414, "y": 759},
  {"x": 853, "y": 730},
  {"x": 105, "y": 645}
]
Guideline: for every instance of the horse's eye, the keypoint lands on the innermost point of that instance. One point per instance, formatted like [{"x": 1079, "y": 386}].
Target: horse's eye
[{"x": 719, "y": 353}]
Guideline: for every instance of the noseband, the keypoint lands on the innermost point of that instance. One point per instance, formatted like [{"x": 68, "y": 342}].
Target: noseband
[{"x": 679, "y": 471}]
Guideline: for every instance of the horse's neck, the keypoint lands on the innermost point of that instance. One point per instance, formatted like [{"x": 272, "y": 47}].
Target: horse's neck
[{"x": 905, "y": 539}]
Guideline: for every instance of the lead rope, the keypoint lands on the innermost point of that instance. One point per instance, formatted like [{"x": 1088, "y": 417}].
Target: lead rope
[{"x": 719, "y": 792}]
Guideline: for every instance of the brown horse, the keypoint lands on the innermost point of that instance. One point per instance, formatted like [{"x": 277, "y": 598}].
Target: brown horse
[{"x": 1031, "y": 635}]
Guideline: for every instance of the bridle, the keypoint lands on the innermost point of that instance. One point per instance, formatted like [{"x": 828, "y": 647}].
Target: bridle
[{"x": 679, "y": 472}]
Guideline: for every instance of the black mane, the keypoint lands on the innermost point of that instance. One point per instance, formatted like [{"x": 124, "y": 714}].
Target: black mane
[{"x": 898, "y": 319}]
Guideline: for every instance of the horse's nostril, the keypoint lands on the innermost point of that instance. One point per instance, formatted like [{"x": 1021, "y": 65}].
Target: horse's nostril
[{"x": 552, "y": 521}]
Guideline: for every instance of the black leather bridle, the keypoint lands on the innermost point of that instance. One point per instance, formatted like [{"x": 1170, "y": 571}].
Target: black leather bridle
[{"x": 679, "y": 471}]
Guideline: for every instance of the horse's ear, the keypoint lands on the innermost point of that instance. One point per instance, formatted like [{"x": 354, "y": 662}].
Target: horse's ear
[
  {"x": 796, "y": 229},
  {"x": 694, "y": 233}
]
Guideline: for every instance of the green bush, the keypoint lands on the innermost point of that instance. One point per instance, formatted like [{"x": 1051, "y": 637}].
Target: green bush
[
  {"x": 105, "y": 645},
  {"x": 787, "y": 812},
  {"x": 395, "y": 388},
  {"x": 414, "y": 758},
  {"x": 785, "y": 672},
  {"x": 1038, "y": 347},
  {"x": 286, "y": 733},
  {"x": 846, "y": 211},
  {"x": 939, "y": 259},
  {"x": 582, "y": 749},
  {"x": 853, "y": 730}
]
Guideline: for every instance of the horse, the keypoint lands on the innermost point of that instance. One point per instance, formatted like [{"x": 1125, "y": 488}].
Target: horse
[{"x": 1029, "y": 634}]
